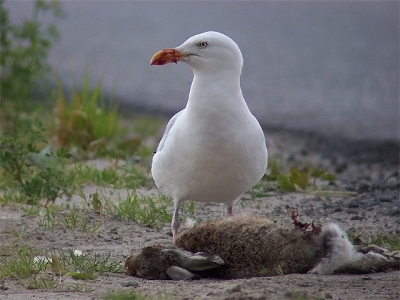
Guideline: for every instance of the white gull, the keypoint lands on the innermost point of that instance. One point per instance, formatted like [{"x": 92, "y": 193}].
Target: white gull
[{"x": 213, "y": 150}]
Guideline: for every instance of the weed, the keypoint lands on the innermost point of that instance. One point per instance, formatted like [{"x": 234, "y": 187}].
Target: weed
[
  {"x": 71, "y": 219},
  {"x": 126, "y": 176},
  {"x": 132, "y": 176},
  {"x": 31, "y": 270},
  {"x": 74, "y": 219},
  {"x": 279, "y": 270},
  {"x": 188, "y": 208},
  {"x": 12, "y": 196},
  {"x": 31, "y": 210},
  {"x": 141, "y": 209},
  {"x": 381, "y": 239},
  {"x": 86, "y": 263},
  {"x": 23, "y": 61},
  {"x": 25, "y": 269},
  {"x": 36, "y": 174},
  {"x": 296, "y": 181},
  {"x": 128, "y": 296},
  {"x": 385, "y": 240},
  {"x": 84, "y": 121},
  {"x": 45, "y": 281},
  {"x": 260, "y": 190},
  {"x": 48, "y": 220}
]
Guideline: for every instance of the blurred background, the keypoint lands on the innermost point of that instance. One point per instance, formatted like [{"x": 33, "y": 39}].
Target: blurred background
[{"x": 325, "y": 67}]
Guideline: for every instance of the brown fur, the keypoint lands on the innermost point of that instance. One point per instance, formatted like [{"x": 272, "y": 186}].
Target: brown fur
[
  {"x": 152, "y": 262},
  {"x": 243, "y": 246},
  {"x": 252, "y": 246}
]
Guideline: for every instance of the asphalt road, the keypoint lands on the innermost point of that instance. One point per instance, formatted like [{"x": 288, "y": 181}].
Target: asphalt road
[{"x": 325, "y": 67}]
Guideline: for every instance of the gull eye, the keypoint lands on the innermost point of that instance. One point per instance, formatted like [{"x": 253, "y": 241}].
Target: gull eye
[{"x": 202, "y": 45}]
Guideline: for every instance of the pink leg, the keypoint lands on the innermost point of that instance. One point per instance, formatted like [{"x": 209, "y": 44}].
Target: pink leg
[
  {"x": 229, "y": 210},
  {"x": 175, "y": 224}
]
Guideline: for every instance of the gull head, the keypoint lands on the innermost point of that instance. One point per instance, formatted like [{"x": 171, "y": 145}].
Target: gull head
[{"x": 205, "y": 52}]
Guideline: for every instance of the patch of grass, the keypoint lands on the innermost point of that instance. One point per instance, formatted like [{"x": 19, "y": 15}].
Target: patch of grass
[
  {"x": 141, "y": 209},
  {"x": 73, "y": 219},
  {"x": 25, "y": 265},
  {"x": 87, "y": 263},
  {"x": 123, "y": 295},
  {"x": 77, "y": 219},
  {"x": 381, "y": 239},
  {"x": 86, "y": 174},
  {"x": 260, "y": 190},
  {"x": 11, "y": 196},
  {"x": 296, "y": 181},
  {"x": 385, "y": 240},
  {"x": 25, "y": 269},
  {"x": 84, "y": 121},
  {"x": 125, "y": 176},
  {"x": 48, "y": 219},
  {"x": 189, "y": 207},
  {"x": 31, "y": 210},
  {"x": 276, "y": 271},
  {"x": 133, "y": 177}
]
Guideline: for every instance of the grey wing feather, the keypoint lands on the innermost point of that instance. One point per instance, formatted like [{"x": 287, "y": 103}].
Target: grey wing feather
[{"x": 167, "y": 129}]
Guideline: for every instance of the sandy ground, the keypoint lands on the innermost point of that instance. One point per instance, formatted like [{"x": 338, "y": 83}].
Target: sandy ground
[{"x": 370, "y": 169}]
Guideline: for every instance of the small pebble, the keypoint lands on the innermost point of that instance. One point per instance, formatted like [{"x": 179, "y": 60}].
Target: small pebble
[
  {"x": 132, "y": 283},
  {"x": 353, "y": 204},
  {"x": 393, "y": 213},
  {"x": 234, "y": 289}
]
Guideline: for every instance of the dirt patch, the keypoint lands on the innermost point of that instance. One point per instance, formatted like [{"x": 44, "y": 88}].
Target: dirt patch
[{"x": 369, "y": 169}]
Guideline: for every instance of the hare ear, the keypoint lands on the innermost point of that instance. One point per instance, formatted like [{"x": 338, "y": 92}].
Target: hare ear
[
  {"x": 199, "y": 261},
  {"x": 177, "y": 273}
]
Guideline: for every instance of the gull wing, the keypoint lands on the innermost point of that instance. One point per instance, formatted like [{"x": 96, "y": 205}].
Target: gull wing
[{"x": 167, "y": 129}]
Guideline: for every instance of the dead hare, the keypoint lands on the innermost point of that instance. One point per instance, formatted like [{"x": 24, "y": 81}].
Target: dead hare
[{"x": 246, "y": 246}]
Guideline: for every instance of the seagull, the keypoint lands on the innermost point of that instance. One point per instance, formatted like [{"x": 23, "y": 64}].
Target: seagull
[{"x": 214, "y": 149}]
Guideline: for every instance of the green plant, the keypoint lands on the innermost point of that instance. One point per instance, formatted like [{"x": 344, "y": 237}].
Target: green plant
[
  {"x": 381, "y": 239},
  {"x": 128, "y": 296},
  {"x": 84, "y": 121},
  {"x": 27, "y": 270},
  {"x": 23, "y": 263},
  {"x": 48, "y": 220},
  {"x": 189, "y": 207},
  {"x": 24, "y": 49},
  {"x": 296, "y": 181},
  {"x": 36, "y": 174},
  {"x": 76, "y": 219},
  {"x": 31, "y": 210},
  {"x": 125, "y": 176},
  {"x": 141, "y": 209},
  {"x": 86, "y": 263},
  {"x": 279, "y": 270}
]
